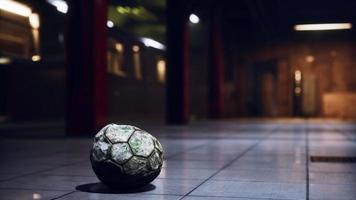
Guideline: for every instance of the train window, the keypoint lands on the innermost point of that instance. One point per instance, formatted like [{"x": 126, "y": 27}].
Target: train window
[
  {"x": 137, "y": 62},
  {"x": 115, "y": 58},
  {"x": 19, "y": 32},
  {"x": 161, "y": 70}
]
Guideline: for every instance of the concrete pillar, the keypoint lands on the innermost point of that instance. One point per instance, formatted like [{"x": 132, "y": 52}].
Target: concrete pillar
[
  {"x": 86, "y": 67},
  {"x": 177, "y": 95},
  {"x": 216, "y": 70}
]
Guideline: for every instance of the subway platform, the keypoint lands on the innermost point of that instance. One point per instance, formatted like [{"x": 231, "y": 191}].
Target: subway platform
[{"x": 282, "y": 159}]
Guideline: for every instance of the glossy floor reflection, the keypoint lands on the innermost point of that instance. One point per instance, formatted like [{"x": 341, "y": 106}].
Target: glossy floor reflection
[{"x": 205, "y": 160}]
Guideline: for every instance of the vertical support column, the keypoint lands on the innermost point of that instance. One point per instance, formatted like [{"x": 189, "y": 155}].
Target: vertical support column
[
  {"x": 216, "y": 70},
  {"x": 177, "y": 99},
  {"x": 86, "y": 67}
]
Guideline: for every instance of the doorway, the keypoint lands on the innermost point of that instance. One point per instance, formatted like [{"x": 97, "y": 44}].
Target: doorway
[{"x": 262, "y": 92}]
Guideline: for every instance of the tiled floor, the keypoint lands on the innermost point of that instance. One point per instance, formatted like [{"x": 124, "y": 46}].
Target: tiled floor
[{"x": 223, "y": 160}]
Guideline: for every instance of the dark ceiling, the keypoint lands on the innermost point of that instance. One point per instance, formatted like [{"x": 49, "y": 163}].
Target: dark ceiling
[
  {"x": 251, "y": 20},
  {"x": 242, "y": 20},
  {"x": 274, "y": 19}
]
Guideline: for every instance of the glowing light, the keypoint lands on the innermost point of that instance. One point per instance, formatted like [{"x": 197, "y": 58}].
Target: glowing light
[
  {"x": 193, "y": 18},
  {"x": 4, "y": 60},
  {"x": 135, "y": 48},
  {"x": 36, "y": 58},
  {"x": 110, "y": 24},
  {"x": 161, "y": 71},
  {"x": 136, "y": 11},
  {"x": 34, "y": 20},
  {"x": 298, "y": 90},
  {"x": 36, "y": 196},
  {"x": 153, "y": 43},
  {"x": 309, "y": 59},
  {"x": 123, "y": 10},
  {"x": 298, "y": 75},
  {"x": 15, "y": 8},
  {"x": 320, "y": 27},
  {"x": 129, "y": 10},
  {"x": 119, "y": 47},
  {"x": 61, "y": 5}
]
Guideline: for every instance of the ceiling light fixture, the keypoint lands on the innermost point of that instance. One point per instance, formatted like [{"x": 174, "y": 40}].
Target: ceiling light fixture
[
  {"x": 193, "y": 18},
  {"x": 153, "y": 43},
  {"x": 15, "y": 8},
  {"x": 60, "y": 5},
  {"x": 321, "y": 27},
  {"x": 110, "y": 24}
]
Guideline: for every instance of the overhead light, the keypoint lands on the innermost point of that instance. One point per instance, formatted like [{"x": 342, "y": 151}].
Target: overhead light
[
  {"x": 4, "y": 60},
  {"x": 15, "y": 8},
  {"x": 60, "y": 5},
  {"x": 36, "y": 58},
  {"x": 136, "y": 48},
  {"x": 193, "y": 18},
  {"x": 320, "y": 27},
  {"x": 119, "y": 47},
  {"x": 110, "y": 24},
  {"x": 153, "y": 43},
  {"x": 298, "y": 75}
]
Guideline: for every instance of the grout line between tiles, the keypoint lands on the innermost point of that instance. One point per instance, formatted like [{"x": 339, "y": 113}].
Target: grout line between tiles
[
  {"x": 63, "y": 195},
  {"x": 245, "y": 198},
  {"x": 40, "y": 171},
  {"x": 232, "y": 161}
]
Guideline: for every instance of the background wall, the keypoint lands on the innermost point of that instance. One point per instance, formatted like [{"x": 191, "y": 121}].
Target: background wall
[{"x": 327, "y": 69}]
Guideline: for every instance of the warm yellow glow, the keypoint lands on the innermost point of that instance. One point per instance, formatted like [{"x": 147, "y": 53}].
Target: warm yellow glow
[
  {"x": 119, "y": 47},
  {"x": 319, "y": 27},
  {"x": 309, "y": 59},
  {"x": 4, "y": 60},
  {"x": 298, "y": 75},
  {"x": 36, "y": 41},
  {"x": 34, "y": 20},
  {"x": 15, "y": 8},
  {"x": 161, "y": 71},
  {"x": 135, "y": 48},
  {"x": 36, "y": 58}
]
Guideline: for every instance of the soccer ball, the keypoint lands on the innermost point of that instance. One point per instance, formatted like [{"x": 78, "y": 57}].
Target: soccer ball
[{"x": 125, "y": 156}]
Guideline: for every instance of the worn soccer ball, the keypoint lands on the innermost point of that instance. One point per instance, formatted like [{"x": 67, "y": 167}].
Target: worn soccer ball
[{"x": 125, "y": 156}]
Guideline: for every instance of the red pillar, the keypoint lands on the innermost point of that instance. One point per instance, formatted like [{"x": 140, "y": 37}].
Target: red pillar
[
  {"x": 216, "y": 71},
  {"x": 86, "y": 67},
  {"x": 177, "y": 93}
]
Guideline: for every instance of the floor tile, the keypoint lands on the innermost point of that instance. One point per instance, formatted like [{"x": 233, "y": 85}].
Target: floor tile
[
  {"x": 184, "y": 173},
  {"x": 193, "y": 164},
  {"x": 216, "y": 198},
  {"x": 47, "y": 182},
  {"x": 332, "y": 192},
  {"x": 18, "y": 194},
  {"x": 252, "y": 159},
  {"x": 96, "y": 196},
  {"x": 174, "y": 186},
  {"x": 273, "y": 176},
  {"x": 251, "y": 190}
]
